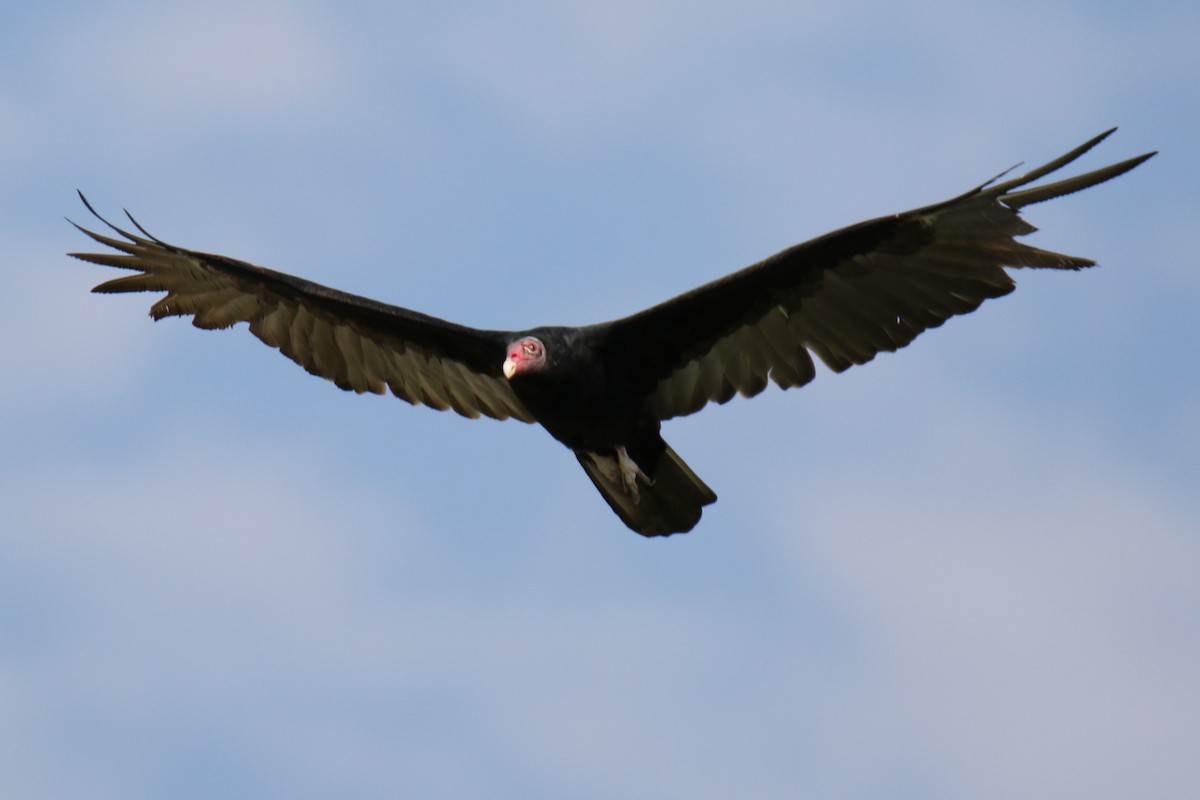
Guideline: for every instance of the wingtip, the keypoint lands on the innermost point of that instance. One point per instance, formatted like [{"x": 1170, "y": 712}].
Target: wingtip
[
  {"x": 1132, "y": 162},
  {"x": 88, "y": 206},
  {"x": 144, "y": 232},
  {"x": 92, "y": 209}
]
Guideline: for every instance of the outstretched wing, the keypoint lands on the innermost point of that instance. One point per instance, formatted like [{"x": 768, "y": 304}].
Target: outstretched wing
[
  {"x": 360, "y": 344},
  {"x": 845, "y": 296}
]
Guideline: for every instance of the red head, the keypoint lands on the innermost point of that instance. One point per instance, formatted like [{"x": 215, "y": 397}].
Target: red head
[{"x": 524, "y": 355}]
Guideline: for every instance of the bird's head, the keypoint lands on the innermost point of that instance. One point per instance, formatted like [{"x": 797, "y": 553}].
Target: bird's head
[{"x": 525, "y": 355}]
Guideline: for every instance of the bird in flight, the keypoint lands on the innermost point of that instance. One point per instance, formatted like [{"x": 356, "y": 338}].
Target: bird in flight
[{"x": 604, "y": 390}]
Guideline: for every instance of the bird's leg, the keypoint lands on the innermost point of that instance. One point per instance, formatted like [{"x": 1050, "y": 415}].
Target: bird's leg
[{"x": 631, "y": 473}]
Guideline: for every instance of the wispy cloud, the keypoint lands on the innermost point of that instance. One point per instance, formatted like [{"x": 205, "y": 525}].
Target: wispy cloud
[
  {"x": 144, "y": 73},
  {"x": 962, "y": 570}
]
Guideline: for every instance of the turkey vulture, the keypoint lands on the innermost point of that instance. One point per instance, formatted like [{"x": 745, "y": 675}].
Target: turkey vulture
[{"x": 603, "y": 390}]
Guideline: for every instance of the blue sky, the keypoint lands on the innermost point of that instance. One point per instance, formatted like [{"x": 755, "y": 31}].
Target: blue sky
[{"x": 965, "y": 570}]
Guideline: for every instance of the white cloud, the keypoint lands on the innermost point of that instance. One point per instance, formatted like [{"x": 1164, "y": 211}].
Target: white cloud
[
  {"x": 174, "y": 587},
  {"x": 939, "y": 590},
  {"x": 574, "y": 68},
  {"x": 160, "y": 70},
  {"x": 1018, "y": 590},
  {"x": 49, "y": 328}
]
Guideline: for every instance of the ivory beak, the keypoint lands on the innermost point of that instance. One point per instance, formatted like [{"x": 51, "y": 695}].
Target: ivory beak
[{"x": 510, "y": 368}]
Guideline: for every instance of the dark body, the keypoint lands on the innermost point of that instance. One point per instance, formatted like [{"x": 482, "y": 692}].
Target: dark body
[{"x": 582, "y": 397}]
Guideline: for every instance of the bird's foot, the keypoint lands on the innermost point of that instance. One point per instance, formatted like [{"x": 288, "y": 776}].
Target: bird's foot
[{"x": 631, "y": 473}]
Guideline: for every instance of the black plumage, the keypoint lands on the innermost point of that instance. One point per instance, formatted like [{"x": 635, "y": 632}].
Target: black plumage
[{"x": 603, "y": 390}]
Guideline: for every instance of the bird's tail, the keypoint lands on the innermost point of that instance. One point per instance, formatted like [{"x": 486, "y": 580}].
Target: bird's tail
[{"x": 663, "y": 495}]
